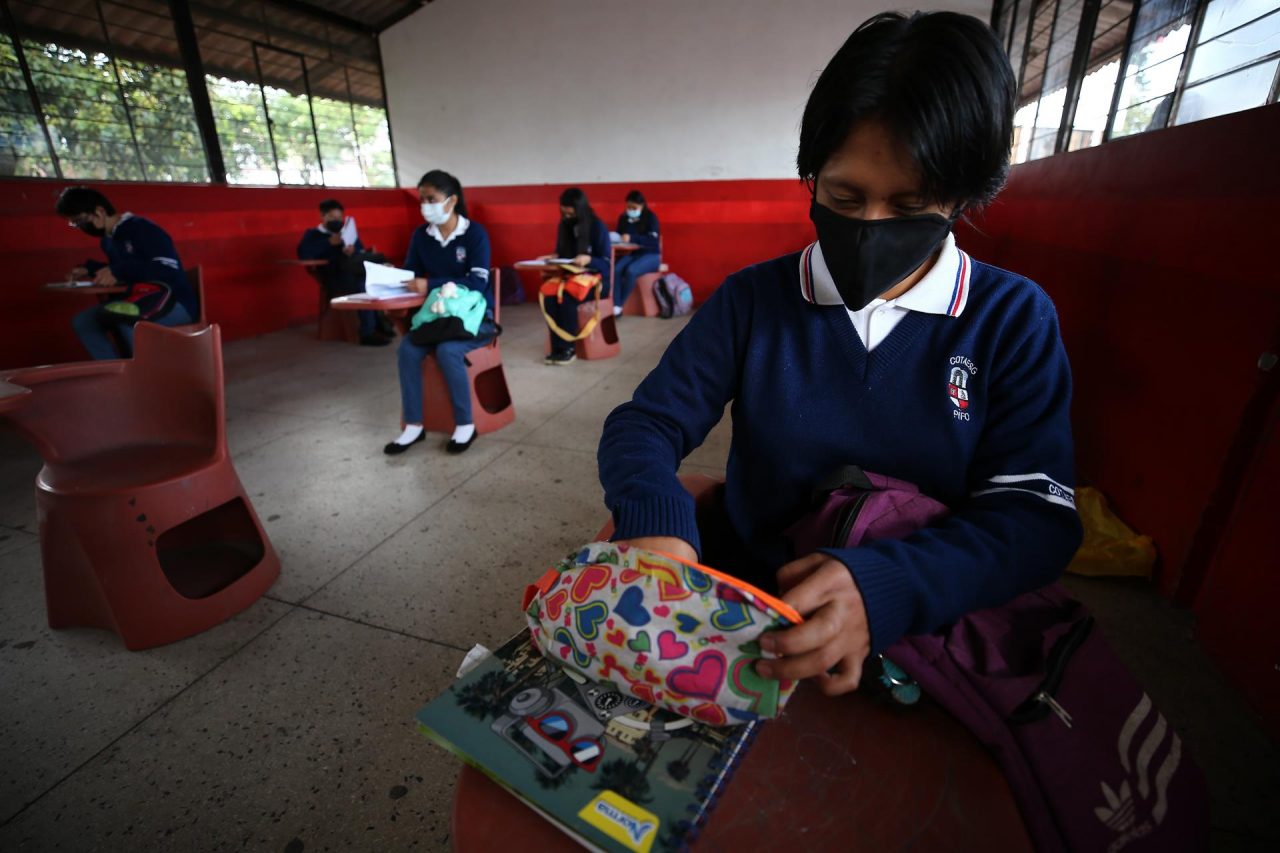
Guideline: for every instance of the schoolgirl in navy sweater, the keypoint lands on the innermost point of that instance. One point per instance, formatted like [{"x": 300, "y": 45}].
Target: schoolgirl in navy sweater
[
  {"x": 584, "y": 239},
  {"x": 880, "y": 345},
  {"x": 637, "y": 225},
  {"x": 448, "y": 248}
]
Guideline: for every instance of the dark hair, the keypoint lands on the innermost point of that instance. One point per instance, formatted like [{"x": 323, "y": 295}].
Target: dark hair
[
  {"x": 942, "y": 85},
  {"x": 331, "y": 204},
  {"x": 447, "y": 184},
  {"x": 77, "y": 200},
  {"x": 565, "y": 239},
  {"x": 645, "y": 222}
]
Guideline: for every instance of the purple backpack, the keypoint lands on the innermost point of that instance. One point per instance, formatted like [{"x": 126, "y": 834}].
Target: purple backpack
[{"x": 1092, "y": 764}]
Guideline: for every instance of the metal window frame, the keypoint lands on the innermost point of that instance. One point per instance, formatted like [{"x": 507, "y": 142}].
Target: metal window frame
[
  {"x": 15, "y": 36},
  {"x": 1076, "y": 73},
  {"x": 266, "y": 109}
]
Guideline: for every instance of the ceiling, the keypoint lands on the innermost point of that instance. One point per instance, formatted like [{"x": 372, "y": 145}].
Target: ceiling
[{"x": 374, "y": 15}]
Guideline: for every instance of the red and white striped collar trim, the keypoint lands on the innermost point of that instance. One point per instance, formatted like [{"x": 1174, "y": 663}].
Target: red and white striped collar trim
[{"x": 943, "y": 290}]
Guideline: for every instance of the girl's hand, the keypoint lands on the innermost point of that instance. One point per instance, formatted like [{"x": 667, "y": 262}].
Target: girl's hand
[
  {"x": 77, "y": 274},
  {"x": 672, "y": 545},
  {"x": 581, "y": 260},
  {"x": 419, "y": 285},
  {"x": 832, "y": 643},
  {"x": 105, "y": 278}
]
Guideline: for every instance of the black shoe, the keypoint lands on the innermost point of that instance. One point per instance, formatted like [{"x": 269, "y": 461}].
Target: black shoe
[
  {"x": 394, "y": 448},
  {"x": 559, "y": 359},
  {"x": 374, "y": 341},
  {"x": 456, "y": 447}
]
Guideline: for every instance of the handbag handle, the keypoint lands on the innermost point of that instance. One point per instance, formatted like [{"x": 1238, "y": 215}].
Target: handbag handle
[{"x": 586, "y": 331}]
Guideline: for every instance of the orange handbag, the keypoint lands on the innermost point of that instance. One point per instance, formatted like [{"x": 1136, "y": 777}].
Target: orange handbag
[{"x": 579, "y": 286}]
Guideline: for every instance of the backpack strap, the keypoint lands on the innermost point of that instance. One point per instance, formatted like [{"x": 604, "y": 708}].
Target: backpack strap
[{"x": 584, "y": 332}]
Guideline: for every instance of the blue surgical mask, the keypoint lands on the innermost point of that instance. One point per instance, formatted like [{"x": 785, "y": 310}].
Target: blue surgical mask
[{"x": 633, "y": 214}]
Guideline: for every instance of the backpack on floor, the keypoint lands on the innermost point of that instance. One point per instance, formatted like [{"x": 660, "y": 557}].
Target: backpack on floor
[
  {"x": 1092, "y": 764},
  {"x": 674, "y": 296}
]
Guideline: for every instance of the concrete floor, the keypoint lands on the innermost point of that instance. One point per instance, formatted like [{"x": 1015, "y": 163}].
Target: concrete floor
[{"x": 290, "y": 727}]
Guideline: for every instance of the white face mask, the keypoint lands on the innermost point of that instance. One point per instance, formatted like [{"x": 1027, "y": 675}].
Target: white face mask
[
  {"x": 435, "y": 214},
  {"x": 633, "y": 214}
]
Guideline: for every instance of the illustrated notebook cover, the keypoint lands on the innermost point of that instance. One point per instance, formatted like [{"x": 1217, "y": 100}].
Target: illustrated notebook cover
[{"x": 614, "y": 772}]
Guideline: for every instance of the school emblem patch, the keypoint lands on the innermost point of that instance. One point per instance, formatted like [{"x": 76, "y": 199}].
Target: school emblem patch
[
  {"x": 461, "y": 254},
  {"x": 961, "y": 369}
]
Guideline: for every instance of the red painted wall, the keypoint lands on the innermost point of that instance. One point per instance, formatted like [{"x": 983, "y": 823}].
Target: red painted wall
[
  {"x": 236, "y": 233},
  {"x": 1156, "y": 250}
]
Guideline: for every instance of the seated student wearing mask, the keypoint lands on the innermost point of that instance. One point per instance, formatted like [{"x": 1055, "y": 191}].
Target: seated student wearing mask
[
  {"x": 582, "y": 238},
  {"x": 842, "y": 354},
  {"x": 140, "y": 256},
  {"x": 639, "y": 225},
  {"x": 337, "y": 241}
]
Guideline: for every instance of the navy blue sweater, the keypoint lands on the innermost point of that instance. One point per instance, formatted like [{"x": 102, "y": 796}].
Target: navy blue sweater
[
  {"x": 598, "y": 249},
  {"x": 464, "y": 259},
  {"x": 808, "y": 399},
  {"x": 140, "y": 250},
  {"x": 315, "y": 246},
  {"x": 646, "y": 239}
]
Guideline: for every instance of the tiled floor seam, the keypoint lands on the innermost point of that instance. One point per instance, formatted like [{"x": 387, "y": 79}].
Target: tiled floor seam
[
  {"x": 372, "y": 625},
  {"x": 157, "y": 709}
]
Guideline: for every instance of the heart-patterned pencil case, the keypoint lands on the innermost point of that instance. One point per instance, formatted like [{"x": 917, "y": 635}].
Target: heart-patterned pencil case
[{"x": 677, "y": 635}]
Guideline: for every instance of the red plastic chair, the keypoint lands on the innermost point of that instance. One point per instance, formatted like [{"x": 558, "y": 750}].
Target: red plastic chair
[
  {"x": 642, "y": 302},
  {"x": 603, "y": 341},
  {"x": 145, "y": 528},
  {"x": 491, "y": 405}
]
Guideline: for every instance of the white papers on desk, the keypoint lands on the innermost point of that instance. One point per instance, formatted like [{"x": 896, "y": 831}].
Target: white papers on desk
[
  {"x": 382, "y": 282},
  {"x": 85, "y": 283},
  {"x": 615, "y": 237}
]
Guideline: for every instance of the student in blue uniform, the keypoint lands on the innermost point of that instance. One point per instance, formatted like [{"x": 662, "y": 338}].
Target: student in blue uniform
[
  {"x": 583, "y": 238},
  {"x": 448, "y": 248},
  {"x": 337, "y": 241},
  {"x": 855, "y": 351},
  {"x": 639, "y": 225},
  {"x": 140, "y": 256}
]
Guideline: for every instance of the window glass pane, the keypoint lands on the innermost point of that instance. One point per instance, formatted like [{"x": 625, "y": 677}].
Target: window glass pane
[
  {"x": 1044, "y": 135},
  {"x": 1223, "y": 15},
  {"x": 1232, "y": 93},
  {"x": 1150, "y": 77},
  {"x": 375, "y": 146},
  {"x": 1101, "y": 74},
  {"x": 1033, "y": 73},
  {"x": 84, "y": 112},
  {"x": 289, "y": 117},
  {"x": 339, "y": 148},
  {"x": 23, "y": 149},
  {"x": 1156, "y": 15},
  {"x": 242, "y": 131},
  {"x": 1238, "y": 47}
]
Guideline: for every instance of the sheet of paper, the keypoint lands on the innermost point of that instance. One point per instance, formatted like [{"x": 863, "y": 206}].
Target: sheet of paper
[
  {"x": 349, "y": 233},
  {"x": 386, "y": 281},
  {"x": 86, "y": 283}
]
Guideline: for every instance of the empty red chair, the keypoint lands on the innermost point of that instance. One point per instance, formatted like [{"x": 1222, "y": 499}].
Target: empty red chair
[
  {"x": 491, "y": 406},
  {"x": 145, "y": 528},
  {"x": 603, "y": 341}
]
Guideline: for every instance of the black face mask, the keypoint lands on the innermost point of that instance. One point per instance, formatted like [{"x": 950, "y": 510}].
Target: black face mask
[
  {"x": 91, "y": 229},
  {"x": 333, "y": 226},
  {"x": 866, "y": 257}
]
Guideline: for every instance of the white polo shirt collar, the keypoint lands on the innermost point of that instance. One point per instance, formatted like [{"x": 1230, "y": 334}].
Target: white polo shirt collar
[
  {"x": 943, "y": 290},
  {"x": 463, "y": 224}
]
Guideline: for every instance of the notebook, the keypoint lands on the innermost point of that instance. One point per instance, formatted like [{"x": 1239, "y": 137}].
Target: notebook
[{"x": 613, "y": 772}]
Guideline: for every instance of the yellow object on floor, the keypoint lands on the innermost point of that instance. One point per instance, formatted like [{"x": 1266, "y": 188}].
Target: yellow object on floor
[{"x": 1110, "y": 546}]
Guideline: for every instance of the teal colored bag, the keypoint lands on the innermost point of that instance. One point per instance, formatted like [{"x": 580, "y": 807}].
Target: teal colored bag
[{"x": 451, "y": 313}]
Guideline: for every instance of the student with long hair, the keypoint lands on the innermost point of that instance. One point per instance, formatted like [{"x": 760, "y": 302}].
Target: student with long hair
[
  {"x": 881, "y": 345},
  {"x": 638, "y": 225},
  {"x": 449, "y": 247},
  {"x": 582, "y": 238}
]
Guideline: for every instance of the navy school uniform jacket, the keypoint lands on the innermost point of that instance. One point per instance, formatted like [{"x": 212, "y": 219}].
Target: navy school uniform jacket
[
  {"x": 463, "y": 258},
  {"x": 141, "y": 251},
  {"x": 598, "y": 249},
  {"x": 643, "y": 231},
  {"x": 967, "y": 397},
  {"x": 315, "y": 246}
]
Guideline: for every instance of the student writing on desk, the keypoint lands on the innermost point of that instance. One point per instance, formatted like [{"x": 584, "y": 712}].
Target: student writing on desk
[
  {"x": 584, "y": 239},
  {"x": 638, "y": 225},
  {"x": 843, "y": 354},
  {"x": 337, "y": 241},
  {"x": 140, "y": 256}
]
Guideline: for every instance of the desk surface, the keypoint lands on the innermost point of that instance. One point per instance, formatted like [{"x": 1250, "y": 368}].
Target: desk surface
[
  {"x": 12, "y": 396},
  {"x": 361, "y": 302},
  {"x": 851, "y": 773},
  {"x": 538, "y": 265},
  {"x": 67, "y": 287},
  {"x": 318, "y": 262}
]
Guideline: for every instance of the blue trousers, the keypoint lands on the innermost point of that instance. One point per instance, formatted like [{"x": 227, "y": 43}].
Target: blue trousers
[
  {"x": 628, "y": 269},
  {"x": 451, "y": 356},
  {"x": 96, "y": 336}
]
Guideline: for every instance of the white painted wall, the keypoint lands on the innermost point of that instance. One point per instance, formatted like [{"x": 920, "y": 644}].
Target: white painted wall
[{"x": 563, "y": 91}]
